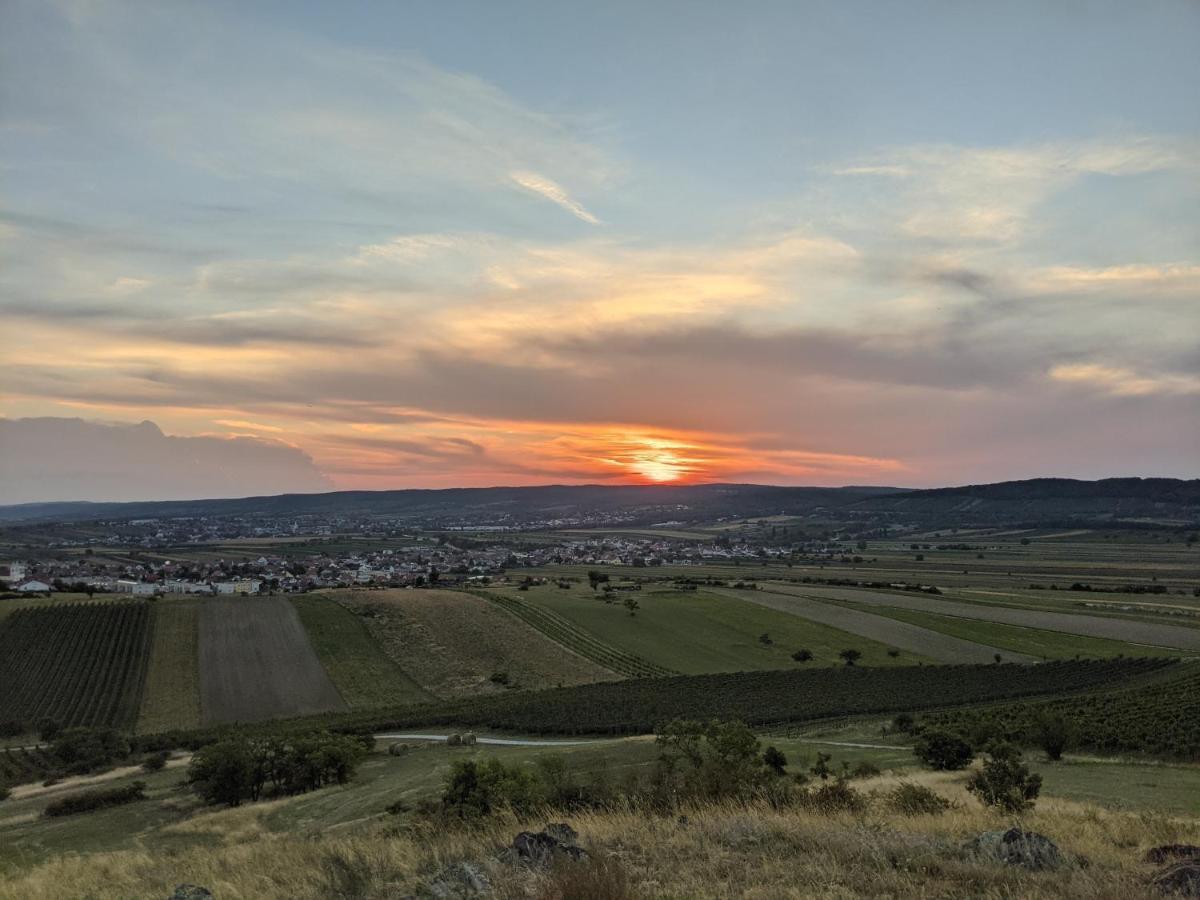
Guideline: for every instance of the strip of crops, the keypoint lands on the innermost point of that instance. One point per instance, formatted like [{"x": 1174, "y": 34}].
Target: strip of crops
[
  {"x": 1158, "y": 718},
  {"x": 759, "y": 698},
  {"x": 78, "y": 663},
  {"x": 575, "y": 638}
]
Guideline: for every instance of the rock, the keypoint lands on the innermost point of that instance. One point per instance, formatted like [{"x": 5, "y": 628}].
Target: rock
[
  {"x": 457, "y": 881},
  {"x": 541, "y": 848},
  {"x": 190, "y": 892},
  {"x": 1168, "y": 852},
  {"x": 1181, "y": 879},
  {"x": 1016, "y": 847}
]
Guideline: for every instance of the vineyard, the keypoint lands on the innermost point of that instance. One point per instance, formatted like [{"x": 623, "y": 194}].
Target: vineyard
[
  {"x": 1161, "y": 718},
  {"x": 575, "y": 638},
  {"x": 79, "y": 663},
  {"x": 761, "y": 698}
]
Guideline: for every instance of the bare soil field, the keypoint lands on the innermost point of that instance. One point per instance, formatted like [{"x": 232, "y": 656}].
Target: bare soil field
[
  {"x": 1129, "y": 630},
  {"x": 256, "y": 662},
  {"x": 901, "y": 635},
  {"x": 452, "y": 643}
]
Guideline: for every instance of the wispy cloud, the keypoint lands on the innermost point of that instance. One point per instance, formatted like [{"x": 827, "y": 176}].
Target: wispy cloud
[
  {"x": 553, "y": 192},
  {"x": 1124, "y": 382}
]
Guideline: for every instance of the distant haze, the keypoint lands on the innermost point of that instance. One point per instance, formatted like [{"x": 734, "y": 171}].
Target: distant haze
[{"x": 70, "y": 459}]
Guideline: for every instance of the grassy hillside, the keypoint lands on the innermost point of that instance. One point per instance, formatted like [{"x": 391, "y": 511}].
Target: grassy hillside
[
  {"x": 360, "y": 670},
  {"x": 455, "y": 644},
  {"x": 340, "y": 842}
]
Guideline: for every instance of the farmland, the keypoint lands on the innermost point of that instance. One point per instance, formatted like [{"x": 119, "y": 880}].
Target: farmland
[
  {"x": 694, "y": 632},
  {"x": 172, "y": 695},
  {"x": 79, "y": 664},
  {"x": 765, "y": 698},
  {"x": 256, "y": 662},
  {"x": 452, "y": 643}
]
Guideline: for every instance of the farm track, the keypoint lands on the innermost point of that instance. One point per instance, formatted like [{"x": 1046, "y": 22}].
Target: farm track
[
  {"x": 256, "y": 662},
  {"x": 1087, "y": 625},
  {"x": 577, "y": 639},
  {"x": 901, "y": 635}
]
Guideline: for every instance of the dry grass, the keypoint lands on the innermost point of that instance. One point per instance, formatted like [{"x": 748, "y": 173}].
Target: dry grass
[
  {"x": 718, "y": 851},
  {"x": 451, "y": 643}
]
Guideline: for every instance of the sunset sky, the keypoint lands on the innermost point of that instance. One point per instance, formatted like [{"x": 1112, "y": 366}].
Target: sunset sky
[{"x": 450, "y": 243}]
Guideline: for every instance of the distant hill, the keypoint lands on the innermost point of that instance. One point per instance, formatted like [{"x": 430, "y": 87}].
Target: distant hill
[
  {"x": 645, "y": 503},
  {"x": 1045, "y": 501},
  {"x": 1034, "y": 501}
]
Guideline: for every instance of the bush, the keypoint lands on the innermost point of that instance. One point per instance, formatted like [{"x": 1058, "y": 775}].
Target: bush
[
  {"x": 157, "y": 762},
  {"x": 836, "y": 796},
  {"x": 802, "y": 655},
  {"x": 943, "y": 751},
  {"x": 88, "y": 801},
  {"x": 864, "y": 769},
  {"x": 83, "y": 750},
  {"x": 775, "y": 760},
  {"x": 1005, "y": 783},
  {"x": 49, "y": 729},
  {"x": 903, "y": 723},
  {"x": 241, "y": 768},
  {"x": 916, "y": 800},
  {"x": 477, "y": 789},
  {"x": 10, "y": 728}
]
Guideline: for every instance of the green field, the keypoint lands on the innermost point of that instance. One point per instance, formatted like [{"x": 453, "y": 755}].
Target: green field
[
  {"x": 1017, "y": 639},
  {"x": 171, "y": 697},
  {"x": 363, "y": 675},
  {"x": 695, "y": 632}
]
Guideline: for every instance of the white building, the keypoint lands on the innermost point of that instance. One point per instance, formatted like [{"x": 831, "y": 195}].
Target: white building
[
  {"x": 137, "y": 588},
  {"x": 12, "y": 573},
  {"x": 175, "y": 586},
  {"x": 241, "y": 586},
  {"x": 34, "y": 586}
]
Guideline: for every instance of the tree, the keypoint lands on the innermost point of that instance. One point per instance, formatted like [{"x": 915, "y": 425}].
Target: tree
[
  {"x": 802, "y": 655},
  {"x": 709, "y": 760},
  {"x": 631, "y": 604},
  {"x": 1005, "y": 783},
  {"x": 821, "y": 767},
  {"x": 943, "y": 751},
  {"x": 226, "y": 772},
  {"x": 775, "y": 760},
  {"x": 765, "y": 639},
  {"x": 850, "y": 656},
  {"x": 1055, "y": 734}
]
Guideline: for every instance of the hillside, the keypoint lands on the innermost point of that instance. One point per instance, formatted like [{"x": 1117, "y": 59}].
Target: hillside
[{"x": 1032, "y": 501}]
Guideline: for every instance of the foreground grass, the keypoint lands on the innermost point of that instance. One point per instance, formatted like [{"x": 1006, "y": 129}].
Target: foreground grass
[
  {"x": 363, "y": 675},
  {"x": 171, "y": 696},
  {"x": 718, "y": 850}
]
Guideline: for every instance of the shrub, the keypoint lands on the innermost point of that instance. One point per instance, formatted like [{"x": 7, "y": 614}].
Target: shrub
[
  {"x": 943, "y": 751},
  {"x": 710, "y": 760},
  {"x": 864, "y": 769},
  {"x": 802, "y": 655},
  {"x": 476, "y": 789},
  {"x": 850, "y": 656},
  {"x": 49, "y": 729},
  {"x": 88, "y": 801},
  {"x": 836, "y": 796},
  {"x": 5, "y": 791},
  {"x": 83, "y": 750},
  {"x": 156, "y": 762},
  {"x": 1055, "y": 734},
  {"x": 903, "y": 723},
  {"x": 10, "y": 728},
  {"x": 1005, "y": 783},
  {"x": 916, "y": 800}
]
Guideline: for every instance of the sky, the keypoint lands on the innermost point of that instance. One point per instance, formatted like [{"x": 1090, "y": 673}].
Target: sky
[{"x": 434, "y": 244}]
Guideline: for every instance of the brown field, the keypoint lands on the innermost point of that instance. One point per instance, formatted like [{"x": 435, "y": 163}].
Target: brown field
[
  {"x": 451, "y": 643},
  {"x": 1159, "y": 635},
  {"x": 256, "y": 662},
  {"x": 901, "y": 635}
]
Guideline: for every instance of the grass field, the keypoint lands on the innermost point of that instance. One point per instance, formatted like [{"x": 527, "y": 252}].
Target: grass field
[
  {"x": 452, "y": 643},
  {"x": 256, "y": 662},
  {"x": 928, "y": 643},
  {"x": 1150, "y": 633},
  {"x": 695, "y": 632},
  {"x": 1034, "y": 642},
  {"x": 171, "y": 697},
  {"x": 360, "y": 670}
]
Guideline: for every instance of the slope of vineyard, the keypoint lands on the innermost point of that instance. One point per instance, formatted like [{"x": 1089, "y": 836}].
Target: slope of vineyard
[
  {"x": 763, "y": 698},
  {"x": 78, "y": 663},
  {"x": 575, "y": 638},
  {"x": 1159, "y": 718}
]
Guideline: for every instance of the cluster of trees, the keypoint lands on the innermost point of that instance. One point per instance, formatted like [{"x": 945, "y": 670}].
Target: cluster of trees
[{"x": 242, "y": 768}]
